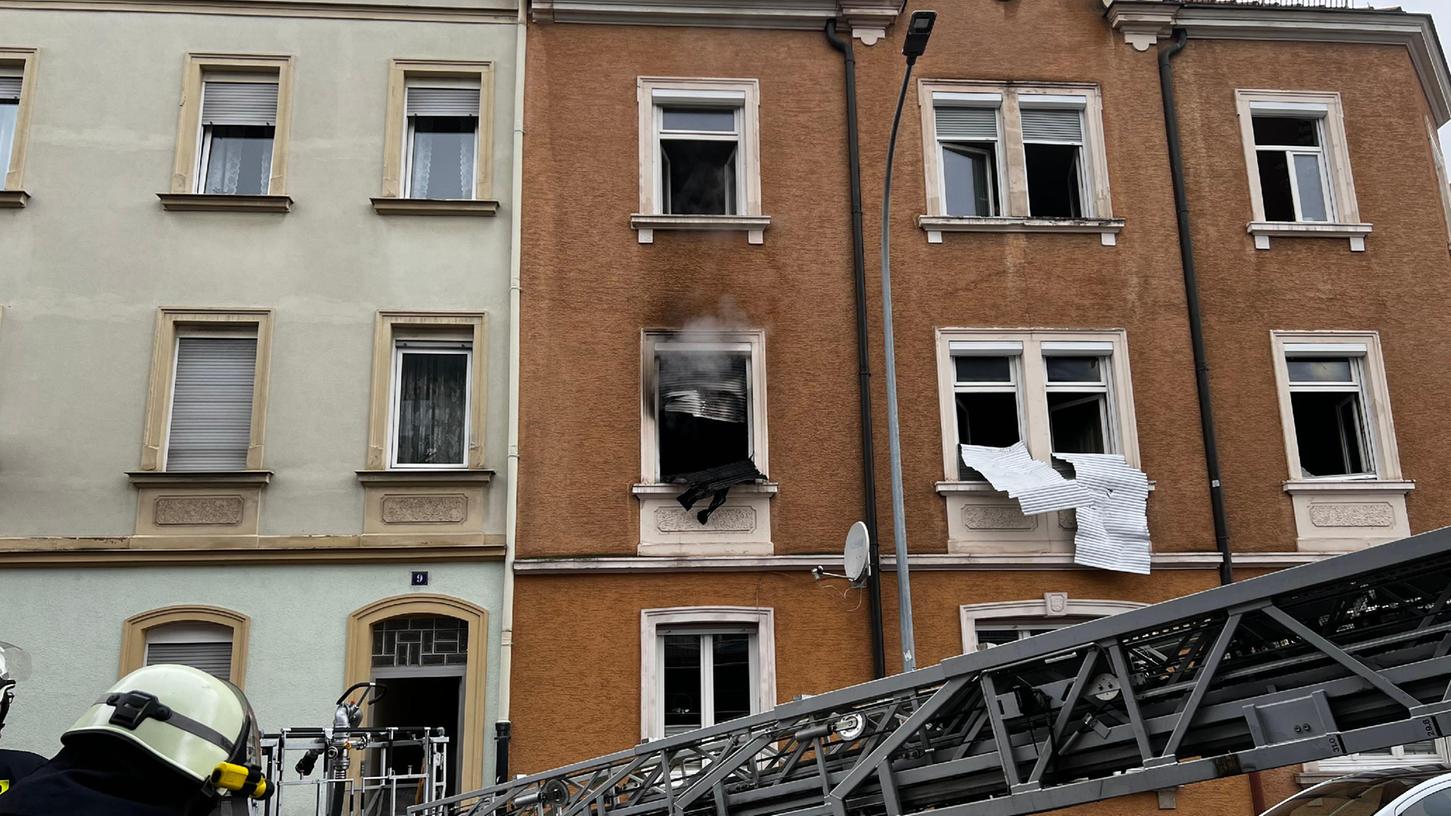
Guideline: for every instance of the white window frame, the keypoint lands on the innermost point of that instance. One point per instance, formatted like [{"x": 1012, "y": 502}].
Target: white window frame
[
  {"x": 204, "y": 131},
  {"x": 734, "y": 104},
  {"x": 1350, "y": 763},
  {"x": 1052, "y": 607},
  {"x": 1363, "y": 348},
  {"x": 1011, "y": 98},
  {"x": 703, "y": 619},
  {"x": 435, "y": 81},
  {"x": 993, "y": 101},
  {"x": 404, "y": 345},
  {"x": 1031, "y": 346},
  {"x": 744, "y": 96},
  {"x": 750, "y": 342},
  {"x": 1342, "y": 210}
]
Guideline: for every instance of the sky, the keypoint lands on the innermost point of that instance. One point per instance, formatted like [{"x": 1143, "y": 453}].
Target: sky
[{"x": 1441, "y": 11}]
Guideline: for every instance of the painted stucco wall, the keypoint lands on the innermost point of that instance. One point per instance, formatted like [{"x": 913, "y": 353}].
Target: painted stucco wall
[
  {"x": 85, "y": 266},
  {"x": 70, "y": 621}
]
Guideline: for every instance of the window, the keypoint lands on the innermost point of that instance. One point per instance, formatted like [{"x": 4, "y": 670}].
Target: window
[
  {"x": 438, "y": 139},
  {"x": 17, "y": 77},
  {"x": 1428, "y": 752},
  {"x": 1299, "y": 167},
  {"x": 1060, "y": 392},
  {"x": 704, "y": 402},
  {"x": 1335, "y": 398},
  {"x": 232, "y": 134},
  {"x": 986, "y": 625},
  {"x": 1031, "y": 158},
  {"x": 430, "y": 406},
  {"x": 209, "y": 638},
  {"x": 207, "y": 404},
  {"x": 699, "y": 155},
  {"x": 239, "y": 121},
  {"x": 428, "y": 400},
  {"x": 205, "y": 646},
  {"x": 701, "y": 667}
]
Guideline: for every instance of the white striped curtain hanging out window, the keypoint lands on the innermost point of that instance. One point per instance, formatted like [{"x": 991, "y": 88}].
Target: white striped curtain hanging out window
[
  {"x": 967, "y": 123},
  {"x": 9, "y": 88},
  {"x": 211, "y": 404},
  {"x": 239, "y": 103},
  {"x": 1052, "y": 125},
  {"x": 443, "y": 101}
]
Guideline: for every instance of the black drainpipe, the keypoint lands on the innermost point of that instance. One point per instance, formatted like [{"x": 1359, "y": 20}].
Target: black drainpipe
[
  {"x": 502, "y": 732},
  {"x": 864, "y": 371},
  {"x": 1191, "y": 296}
]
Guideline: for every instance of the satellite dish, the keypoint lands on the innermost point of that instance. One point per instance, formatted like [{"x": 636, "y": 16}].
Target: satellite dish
[{"x": 854, "y": 555}]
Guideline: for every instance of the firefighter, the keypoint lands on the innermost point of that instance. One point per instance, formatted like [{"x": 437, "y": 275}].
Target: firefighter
[
  {"x": 165, "y": 740},
  {"x": 14, "y": 667}
]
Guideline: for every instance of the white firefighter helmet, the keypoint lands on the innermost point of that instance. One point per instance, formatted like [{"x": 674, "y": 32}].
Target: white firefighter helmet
[{"x": 183, "y": 716}]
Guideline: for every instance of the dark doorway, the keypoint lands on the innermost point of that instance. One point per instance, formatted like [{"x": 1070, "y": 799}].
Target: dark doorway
[{"x": 426, "y": 701}]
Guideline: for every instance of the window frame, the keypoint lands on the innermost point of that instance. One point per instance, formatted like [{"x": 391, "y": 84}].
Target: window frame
[
  {"x": 753, "y": 342},
  {"x": 652, "y": 621},
  {"x": 1365, "y": 351},
  {"x": 206, "y": 135},
  {"x": 706, "y": 633},
  {"x": 187, "y": 179},
  {"x": 398, "y": 129},
  {"x": 135, "y": 628},
  {"x": 171, "y": 324},
  {"x": 12, "y": 176},
  {"x": 424, "y": 346},
  {"x": 1053, "y": 606},
  {"x": 388, "y": 328},
  {"x": 1009, "y": 97},
  {"x": 742, "y": 95},
  {"x": 1341, "y": 205},
  {"x": 1033, "y": 386}
]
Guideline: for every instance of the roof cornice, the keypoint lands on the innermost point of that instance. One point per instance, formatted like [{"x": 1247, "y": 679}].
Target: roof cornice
[
  {"x": 867, "y": 19},
  {"x": 1143, "y": 21}
]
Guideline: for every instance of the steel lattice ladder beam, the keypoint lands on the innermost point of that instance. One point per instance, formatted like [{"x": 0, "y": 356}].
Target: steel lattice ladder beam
[{"x": 1345, "y": 655}]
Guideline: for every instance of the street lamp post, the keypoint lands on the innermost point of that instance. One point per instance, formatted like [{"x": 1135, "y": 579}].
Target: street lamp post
[{"x": 919, "y": 29}]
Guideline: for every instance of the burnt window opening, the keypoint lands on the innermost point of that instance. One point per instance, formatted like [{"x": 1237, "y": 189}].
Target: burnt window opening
[
  {"x": 986, "y": 396},
  {"x": 1054, "y": 181},
  {"x": 1290, "y": 156},
  {"x": 699, "y": 157},
  {"x": 1078, "y": 410},
  {"x": 704, "y": 410},
  {"x": 1330, "y": 422}
]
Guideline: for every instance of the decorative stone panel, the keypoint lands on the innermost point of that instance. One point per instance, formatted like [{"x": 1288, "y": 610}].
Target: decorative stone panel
[
  {"x": 192, "y": 510},
  {"x": 996, "y": 517},
  {"x": 423, "y": 504},
  {"x": 1358, "y": 514},
  {"x": 198, "y": 510},
  {"x": 425, "y": 509},
  {"x": 727, "y": 518},
  {"x": 1350, "y": 514},
  {"x": 741, "y": 526}
]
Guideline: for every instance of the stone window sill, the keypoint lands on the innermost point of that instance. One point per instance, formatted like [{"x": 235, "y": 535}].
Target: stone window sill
[
  {"x": 200, "y": 478},
  {"x": 397, "y": 478},
  {"x": 673, "y": 490},
  {"x": 203, "y": 202},
  {"x": 435, "y": 206},
  {"x": 1107, "y": 229},
  {"x": 1401, "y": 486},
  {"x": 1264, "y": 230},
  {"x": 753, "y": 225},
  {"x": 13, "y": 199}
]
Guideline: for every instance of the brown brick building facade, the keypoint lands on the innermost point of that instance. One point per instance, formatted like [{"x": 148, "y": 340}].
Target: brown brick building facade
[{"x": 599, "y": 540}]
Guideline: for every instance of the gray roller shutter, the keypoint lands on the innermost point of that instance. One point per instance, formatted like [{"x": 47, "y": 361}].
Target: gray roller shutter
[
  {"x": 213, "y": 658},
  {"x": 211, "y": 404},
  {"x": 1052, "y": 125},
  {"x": 9, "y": 88},
  {"x": 443, "y": 102},
  {"x": 975, "y": 124},
  {"x": 239, "y": 103}
]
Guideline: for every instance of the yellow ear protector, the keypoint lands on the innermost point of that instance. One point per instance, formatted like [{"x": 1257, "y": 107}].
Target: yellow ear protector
[{"x": 242, "y": 780}]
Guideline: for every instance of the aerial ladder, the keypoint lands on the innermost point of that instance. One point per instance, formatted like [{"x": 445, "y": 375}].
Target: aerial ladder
[{"x": 1337, "y": 657}]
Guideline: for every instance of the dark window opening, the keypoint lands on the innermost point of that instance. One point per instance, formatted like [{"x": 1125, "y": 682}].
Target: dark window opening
[
  {"x": 1053, "y": 181},
  {"x": 1286, "y": 131},
  {"x": 1275, "y": 186},
  {"x": 1330, "y": 432},
  {"x": 703, "y": 418},
  {"x": 684, "y": 705},
  {"x": 732, "y": 680},
  {"x": 985, "y": 419},
  {"x": 700, "y": 177}
]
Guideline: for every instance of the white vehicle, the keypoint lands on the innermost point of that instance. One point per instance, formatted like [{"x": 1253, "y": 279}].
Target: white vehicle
[{"x": 1423, "y": 790}]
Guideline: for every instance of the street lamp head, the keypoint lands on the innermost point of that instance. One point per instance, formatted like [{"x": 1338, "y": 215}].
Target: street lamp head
[{"x": 919, "y": 28}]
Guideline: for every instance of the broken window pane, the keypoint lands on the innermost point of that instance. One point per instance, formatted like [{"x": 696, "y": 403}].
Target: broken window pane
[
  {"x": 442, "y": 164},
  {"x": 699, "y": 176},
  {"x": 1054, "y": 188},
  {"x": 1078, "y": 422},
  {"x": 239, "y": 159},
  {"x": 704, "y": 411},
  {"x": 732, "y": 675},
  {"x": 684, "y": 709},
  {"x": 1275, "y": 186},
  {"x": 1065, "y": 369},
  {"x": 968, "y": 172},
  {"x": 1286, "y": 131},
  {"x": 1330, "y": 432},
  {"x": 1308, "y": 183},
  {"x": 432, "y": 408}
]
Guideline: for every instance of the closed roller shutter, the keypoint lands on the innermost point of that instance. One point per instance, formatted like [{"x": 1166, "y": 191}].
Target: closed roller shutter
[
  {"x": 213, "y": 658},
  {"x": 975, "y": 124},
  {"x": 9, "y": 88},
  {"x": 1052, "y": 125},
  {"x": 239, "y": 103},
  {"x": 211, "y": 404},
  {"x": 443, "y": 102}
]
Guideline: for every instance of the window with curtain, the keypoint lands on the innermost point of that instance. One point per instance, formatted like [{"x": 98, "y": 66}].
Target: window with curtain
[
  {"x": 211, "y": 403},
  {"x": 239, "y": 121},
  {"x": 9, "y": 112},
  {"x": 205, "y": 646},
  {"x": 431, "y": 403},
  {"x": 443, "y": 132}
]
